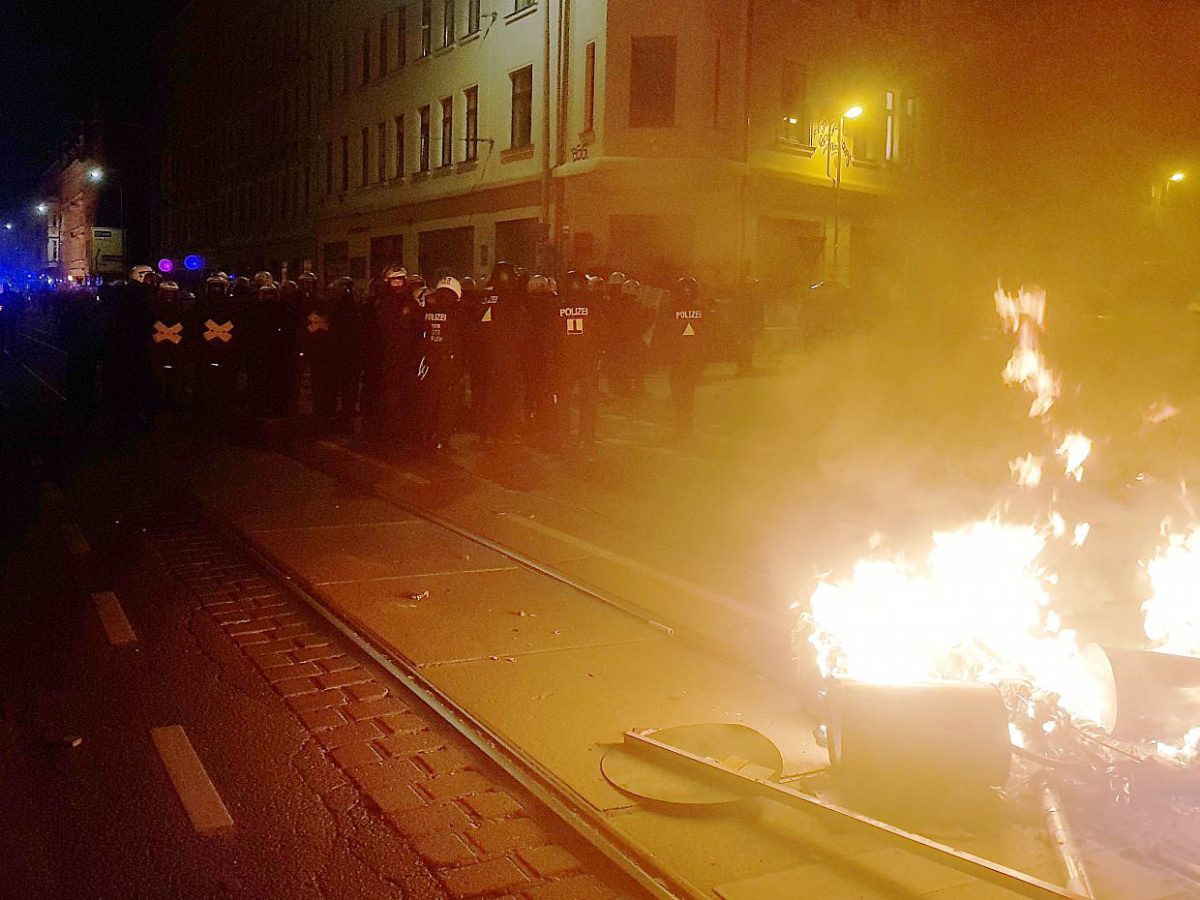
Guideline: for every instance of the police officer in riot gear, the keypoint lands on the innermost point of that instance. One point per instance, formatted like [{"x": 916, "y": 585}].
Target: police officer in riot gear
[
  {"x": 537, "y": 346},
  {"x": 440, "y": 369},
  {"x": 270, "y": 353},
  {"x": 317, "y": 344},
  {"x": 347, "y": 314},
  {"x": 170, "y": 348},
  {"x": 498, "y": 321},
  {"x": 687, "y": 337},
  {"x": 217, "y": 341},
  {"x": 575, "y": 359},
  {"x": 398, "y": 335}
]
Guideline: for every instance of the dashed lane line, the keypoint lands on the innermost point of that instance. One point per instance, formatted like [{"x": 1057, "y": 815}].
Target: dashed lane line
[
  {"x": 196, "y": 791},
  {"x": 112, "y": 617},
  {"x": 44, "y": 383},
  {"x": 59, "y": 350},
  {"x": 76, "y": 543}
]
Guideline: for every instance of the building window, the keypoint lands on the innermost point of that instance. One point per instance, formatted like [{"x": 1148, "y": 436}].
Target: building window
[
  {"x": 795, "y": 123},
  {"x": 329, "y": 75},
  {"x": 423, "y": 149},
  {"x": 522, "y": 107},
  {"x": 345, "y": 66},
  {"x": 345, "y": 162},
  {"x": 366, "y": 56},
  {"x": 448, "y": 22},
  {"x": 308, "y": 187},
  {"x": 399, "y": 146},
  {"x": 652, "y": 82},
  {"x": 472, "y": 16},
  {"x": 329, "y": 167},
  {"x": 589, "y": 86},
  {"x": 383, "y": 46},
  {"x": 519, "y": 5},
  {"x": 381, "y": 151},
  {"x": 402, "y": 37},
  {"x": 364, "y": 172},
  {"x": 472, "y": 136},
  {"x": 426, "y": 26},
  {"x": 447, "y": 131}
]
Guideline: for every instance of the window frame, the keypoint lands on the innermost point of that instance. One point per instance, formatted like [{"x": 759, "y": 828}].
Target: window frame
[
  {"x": 647, "y": 106},
  {"x": 449, "y": 10},
  {"x": 400, "y": 160},
  {"x": 384, "y": 49},
  {"x": 589, "y": 87},
  {"x": 471, "y": 123},
  {"x": 364, "y": 173},
  {"x": 423, "y": 138},
  {"x": 526, "y": 95},
  {"x": 345, "y": 162},
  {"x": 447, "y": 145},
  {"x": 426, "y": 28},
  {"x": 381, "y": 157}
]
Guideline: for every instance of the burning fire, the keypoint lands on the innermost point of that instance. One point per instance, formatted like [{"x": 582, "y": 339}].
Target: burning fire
[
  {"x": 1172, "y": 614},
  {"x": 979, "y": 607}
]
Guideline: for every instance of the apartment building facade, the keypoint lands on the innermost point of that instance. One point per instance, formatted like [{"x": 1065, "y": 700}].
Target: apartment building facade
[{"x": 239, "y": 135}]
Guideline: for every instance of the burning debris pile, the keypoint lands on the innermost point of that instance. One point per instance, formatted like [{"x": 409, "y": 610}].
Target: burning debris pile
[{"x": 983, "y": 606}]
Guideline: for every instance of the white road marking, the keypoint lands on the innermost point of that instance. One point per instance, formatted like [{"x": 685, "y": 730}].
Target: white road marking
[
  {"x": 112, "y": 617},
  {"x": 33, "y": 340},
  {"x": 76, "y": 543},
  {"x": 644, "y": 569},
  {"x": 47, "y": 385},
  {"x": 200, "y": 799}
]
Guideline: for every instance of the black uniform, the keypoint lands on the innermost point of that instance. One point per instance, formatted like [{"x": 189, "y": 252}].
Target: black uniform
[
  {"x": 686, "y": 333},
  {"x": 440, "y": 368},
  {"x": 170, "y": 339},
  {"x": 398, "y": 325},
  {"x": 126, "y": 368},
  {"x": 498, "y": 322},
  {"x": 318, "y": 343},
  {"x": 270, "y": 355},
  {"x": 575, "y": 363},
  {"x": 79, "y": 329},
  {"x": 538, "y": 340},
  {"x": 217, "y": 337}
]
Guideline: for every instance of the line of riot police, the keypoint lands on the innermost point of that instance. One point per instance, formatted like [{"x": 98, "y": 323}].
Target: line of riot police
[{"x": 528, "y": 352}]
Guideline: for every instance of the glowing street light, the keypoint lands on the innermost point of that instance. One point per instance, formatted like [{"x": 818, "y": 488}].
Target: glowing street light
[
  {"x": 1178, "y": 177},
  {"x": 853, "y": 112},
  {"x": 8, "y": 226},
  {"x": 42, "y": 209},
  {"x": 96, "y": 174}
]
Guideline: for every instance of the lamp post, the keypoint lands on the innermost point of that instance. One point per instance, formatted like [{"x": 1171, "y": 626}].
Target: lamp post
[
  {"x": 96, "y": 175},
  {"x": 831, "y": 137}
]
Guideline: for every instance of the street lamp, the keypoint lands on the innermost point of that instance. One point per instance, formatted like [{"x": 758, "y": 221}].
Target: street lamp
[
  {"x": 8, "y": 226},
  {"x": 42, "y": 209},
  {"x": 96, "y": 174},
  {"x": 831, "y": 137},
  {"x": 1178, "y": 177}
]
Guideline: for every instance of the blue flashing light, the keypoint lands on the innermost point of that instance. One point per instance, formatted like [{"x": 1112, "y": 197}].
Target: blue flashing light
[{"x": 192, "y": 262}]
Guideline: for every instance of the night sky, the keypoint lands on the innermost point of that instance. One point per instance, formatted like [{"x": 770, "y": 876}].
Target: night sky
[{"x": 63, "y": 62}]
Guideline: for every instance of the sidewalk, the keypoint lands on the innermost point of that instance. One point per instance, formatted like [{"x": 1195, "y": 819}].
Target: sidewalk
[{"x": 558, "y": 675}]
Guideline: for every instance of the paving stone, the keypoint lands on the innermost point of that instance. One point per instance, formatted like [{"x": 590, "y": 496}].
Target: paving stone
[
  {"x": 314, "y": 640},
  {"x": 348, "y": 734},
  {"x": 460, "y": 784},
  {"x": 492, "y": 804},
  {"x": 581, "y": 887},
  {"x": 334, "y": 661},
  {"x": 297, "y": 670},
  {"x": 290, "y": 687},
  {"x": 319, "y": 700},
  {"x": 443, "y": 849},
  {"x": 484, "y": 878},
  {"x": 354, "y": 755},
  {"x": 325, "y": 652},
  {"x": 273, "y": 660},
  {"x": 387, "y": 772},
  {"x": 549, "y": 860},
  {"x": 502, "y": 835},
  {"x": 294, "y": 631},
  {"x": 341, "y": 679},
  {"x": 393, "y": 797},
  {"x": 400, "y": 722},
  {"x": 445, "y": 762},
  {"x": 272, "y": 647},
  {"x": 434, "y": 818},
  {"x": 252, "y": 638},
  {"x": 369, "y": 709},
  {"x": 371, "y": 690},
  {"x": 407, "y": 743},
  {"x": 322, "y": 719}
]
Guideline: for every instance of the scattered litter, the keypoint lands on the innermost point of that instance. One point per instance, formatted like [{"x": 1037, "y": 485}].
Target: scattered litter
[
  {"x": 510, "y": 659},
  {"x": 525, "y": 615},
  {"x": 558, "y": 631},
  {"x": 543, "y": 696},
  {"x": 415, "y": 596}
]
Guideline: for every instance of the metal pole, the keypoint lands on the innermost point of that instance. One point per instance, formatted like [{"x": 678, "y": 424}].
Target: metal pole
[
  {"x": 750, "y": 781},
  {"x": 837, "y": 193}
]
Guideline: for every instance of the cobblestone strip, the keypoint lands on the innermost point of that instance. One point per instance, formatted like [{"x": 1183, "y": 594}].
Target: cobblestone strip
[{"x": 439, "y": 793}]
